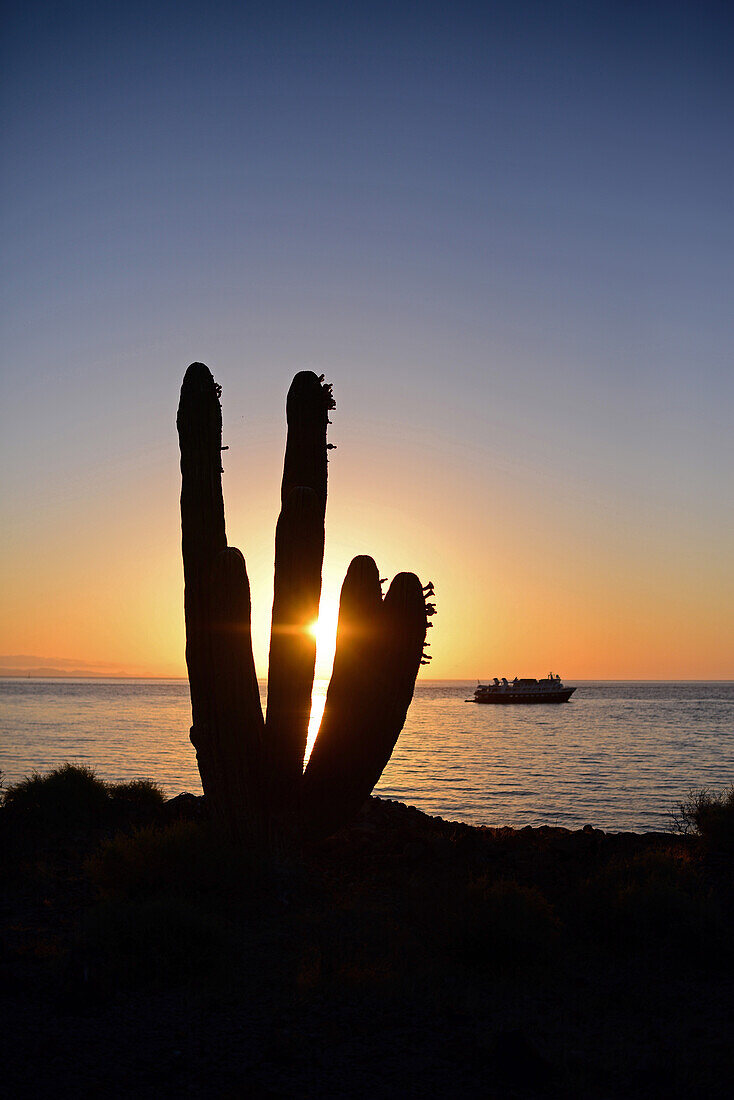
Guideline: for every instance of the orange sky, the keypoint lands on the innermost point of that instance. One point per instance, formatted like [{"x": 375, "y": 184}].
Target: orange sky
[{"x": 531, "y": 574}]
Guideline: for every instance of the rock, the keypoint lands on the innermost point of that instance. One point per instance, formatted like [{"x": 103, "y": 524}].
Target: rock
[{"x": 184, "y": 807}]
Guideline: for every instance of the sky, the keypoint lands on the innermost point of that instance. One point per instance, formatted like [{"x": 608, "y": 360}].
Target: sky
[{"x": 502, "y": 231}]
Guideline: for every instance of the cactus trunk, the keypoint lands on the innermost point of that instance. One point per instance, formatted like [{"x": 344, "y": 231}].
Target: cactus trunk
[{"x": 251, "y": 770}]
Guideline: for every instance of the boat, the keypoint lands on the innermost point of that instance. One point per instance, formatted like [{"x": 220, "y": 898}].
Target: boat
[{"x": 504, "y": 691}]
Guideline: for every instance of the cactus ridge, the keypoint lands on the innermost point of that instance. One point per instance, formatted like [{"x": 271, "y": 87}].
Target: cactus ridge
[{"x": 252, "y": 768}]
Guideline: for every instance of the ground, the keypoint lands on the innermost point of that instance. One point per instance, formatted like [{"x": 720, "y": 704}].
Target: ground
[{"x": 404, "y": 956}]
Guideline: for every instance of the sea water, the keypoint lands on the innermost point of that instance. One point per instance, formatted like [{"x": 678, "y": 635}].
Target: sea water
[{"x": 618, "y": 756}]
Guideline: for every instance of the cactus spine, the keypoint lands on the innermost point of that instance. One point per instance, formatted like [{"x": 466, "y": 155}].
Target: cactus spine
[{"x": 252, "y": 769}]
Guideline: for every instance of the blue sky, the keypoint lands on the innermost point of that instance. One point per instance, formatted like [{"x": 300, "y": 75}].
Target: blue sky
[{"x": 503, "y": 231}]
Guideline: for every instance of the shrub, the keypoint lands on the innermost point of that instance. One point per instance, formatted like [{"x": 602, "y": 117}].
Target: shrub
[
  {"x": 69, "y": 797},
  {"x": 185, "y": 859},
  {"x": 506, "y": 925},
  {"x": 138, "y": 798},
  {"x": 710, "y": 815},
  {"x": 178, "y": 901},
  {"x": 656, "y": 902},
  {"x": 72, "y": 797},
  {"x": 150, "y": 940}
]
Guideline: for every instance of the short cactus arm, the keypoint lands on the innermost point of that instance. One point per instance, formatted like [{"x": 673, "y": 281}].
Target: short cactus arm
[
  {"x": 375, "y": 672},
  {"x": 400, "y": 645},
  {"x": 404, "y": 627},
  {"x": 333, "y": 781}
]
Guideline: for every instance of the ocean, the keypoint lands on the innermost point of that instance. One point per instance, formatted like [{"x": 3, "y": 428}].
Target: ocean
[{"x": 618, "y": 756}]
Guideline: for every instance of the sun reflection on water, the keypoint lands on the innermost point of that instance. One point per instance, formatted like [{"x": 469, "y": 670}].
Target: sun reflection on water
[{"x": 619, "y": 756}]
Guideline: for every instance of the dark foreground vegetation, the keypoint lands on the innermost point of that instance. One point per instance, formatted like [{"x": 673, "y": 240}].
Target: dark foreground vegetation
[{"x": 405, "y": 955}]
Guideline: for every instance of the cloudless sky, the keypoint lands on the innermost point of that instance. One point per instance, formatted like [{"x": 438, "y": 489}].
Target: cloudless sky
[{"x": 503, "y": 231}]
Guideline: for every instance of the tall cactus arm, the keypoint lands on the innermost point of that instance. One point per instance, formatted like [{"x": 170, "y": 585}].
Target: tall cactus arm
[
  {"x": 332, "y": 782},
  {"x": 227, "y": 719},
  {"x": 299, "y": 555},
  {"x": 199, "y": 423},
  {"x": 299, "y": 552},
  {"x": 308, "y": 405}
]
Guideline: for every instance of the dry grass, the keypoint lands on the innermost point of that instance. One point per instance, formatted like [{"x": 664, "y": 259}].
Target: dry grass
[{"x": 709, "y": 814}]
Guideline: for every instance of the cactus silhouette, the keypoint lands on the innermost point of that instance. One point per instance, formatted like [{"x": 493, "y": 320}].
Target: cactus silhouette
[{"x": 252, "y": 768}]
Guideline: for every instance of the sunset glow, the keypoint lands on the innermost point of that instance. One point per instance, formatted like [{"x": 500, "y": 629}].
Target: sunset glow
[
  {"x": 518, "y": 285},
  {"x": 324, "y": 631}
]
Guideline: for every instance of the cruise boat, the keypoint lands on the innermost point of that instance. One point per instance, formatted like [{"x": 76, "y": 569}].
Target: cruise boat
[{"x": 550, "y": 690}]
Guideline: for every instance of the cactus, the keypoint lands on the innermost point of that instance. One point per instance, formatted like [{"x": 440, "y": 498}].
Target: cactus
[{"x": 252, "y": 768}]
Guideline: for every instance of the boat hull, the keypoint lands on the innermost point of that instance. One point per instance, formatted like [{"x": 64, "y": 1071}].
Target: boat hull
[{"x": 511, "y": 698}]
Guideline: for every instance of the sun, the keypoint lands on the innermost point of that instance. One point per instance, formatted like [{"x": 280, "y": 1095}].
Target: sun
[{"x": 323, "y": 630}]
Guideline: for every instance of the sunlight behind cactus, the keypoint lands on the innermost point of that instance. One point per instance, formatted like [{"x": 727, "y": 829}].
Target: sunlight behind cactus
[{"x": 252, "y": 766}]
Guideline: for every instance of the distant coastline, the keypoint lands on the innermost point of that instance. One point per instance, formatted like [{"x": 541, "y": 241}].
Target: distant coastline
[
  {"x": 25, "y": 666},
  {"x": 76, "y": 674},
  {"x": 83, "y": 674}
]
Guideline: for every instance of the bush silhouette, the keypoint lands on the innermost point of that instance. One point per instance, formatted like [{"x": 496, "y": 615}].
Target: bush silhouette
[
  {"x": 69, "y": 797},
  {"x": 654, "y": 902},
  {"x": 186, "y": 859},
  {"x": 72, "y": 797},
  {"x": 710, "y": 815}
]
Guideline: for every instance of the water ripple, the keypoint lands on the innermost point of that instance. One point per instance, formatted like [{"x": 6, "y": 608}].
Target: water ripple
[{"x": 618, "y": 756}]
